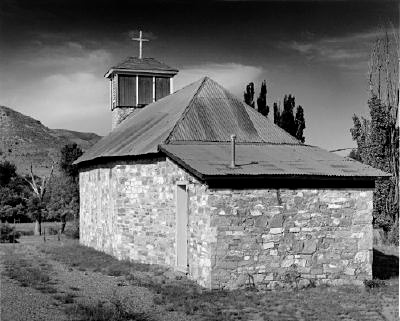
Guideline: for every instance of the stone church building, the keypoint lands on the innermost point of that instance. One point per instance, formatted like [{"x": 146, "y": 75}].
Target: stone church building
[{"x": 199, "y": 181}]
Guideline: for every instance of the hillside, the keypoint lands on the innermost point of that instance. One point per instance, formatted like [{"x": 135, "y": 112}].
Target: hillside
[{"x": 25, "y": 140}]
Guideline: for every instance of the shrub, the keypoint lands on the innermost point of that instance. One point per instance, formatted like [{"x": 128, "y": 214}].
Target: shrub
[
  {"x": 393, "y": 234},
  {"x": 72, "y": 231},
  {"x": 375, "y": 283},
  {"x": 8, "y": 234},
  {"x": 114, "y": 311},
  {"x": 52, "y": 231},
  {"x": 18, "y": 268}
]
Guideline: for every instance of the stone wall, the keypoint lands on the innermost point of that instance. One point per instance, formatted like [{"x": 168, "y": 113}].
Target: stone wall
[
  {"x": 290, "y": 237},
  {"x": 120, "y": 113},
  {"x": 265, "y": 237},
  {"x": 128, "y": 210}
]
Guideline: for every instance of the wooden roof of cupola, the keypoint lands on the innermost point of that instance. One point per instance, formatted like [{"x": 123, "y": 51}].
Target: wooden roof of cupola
[
  {"x": 140, "y": 65},
  {"x": 136, "y": 65}
]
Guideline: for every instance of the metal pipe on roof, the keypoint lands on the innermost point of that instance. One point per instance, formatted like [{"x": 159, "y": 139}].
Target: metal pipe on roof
[{"x": 233, "y": 146}]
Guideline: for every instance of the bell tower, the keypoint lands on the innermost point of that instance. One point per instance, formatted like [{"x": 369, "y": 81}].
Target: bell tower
[{"x": 137, "y": 82}]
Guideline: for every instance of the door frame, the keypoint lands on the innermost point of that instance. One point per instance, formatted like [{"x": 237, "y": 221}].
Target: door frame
[{"x": 180, "y": 184}]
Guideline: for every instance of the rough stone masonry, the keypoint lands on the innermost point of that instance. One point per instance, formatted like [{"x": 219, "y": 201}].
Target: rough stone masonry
[{"x": 263, "y": 237}]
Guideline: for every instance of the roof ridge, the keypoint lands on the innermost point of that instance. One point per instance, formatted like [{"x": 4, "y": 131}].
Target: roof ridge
[
  {"x": 183, "y": 115},
  {"x": 232, "y": 97}
]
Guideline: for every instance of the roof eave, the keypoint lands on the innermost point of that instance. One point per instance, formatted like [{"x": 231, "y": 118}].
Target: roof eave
[
  {"x": 357, "y": 181},
  {"x": 108, "y": 159},
  {"x": 113, "y": 70},
  {"x": 181, "y": 163}
]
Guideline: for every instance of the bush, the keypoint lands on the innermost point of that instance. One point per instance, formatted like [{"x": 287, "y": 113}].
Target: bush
[
  {"x": 375, "y": 283},
  {"x": 113, "y": 311},
  {"x": 8, "y": 234},
  {"x": 26, "y": 233},
  {"x": 393, "y": 234},
  {"x": 52, "y": 230},
  {"x": 72, "y": 230}
]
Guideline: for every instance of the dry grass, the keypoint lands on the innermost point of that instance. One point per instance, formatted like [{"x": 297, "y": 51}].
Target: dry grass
[
  {"x": 33, "y": 271},
  {"x": 113, "y": 311},
  {"x": 174, "y": 294},
  {"x": 28, "y": 227},
  {"x": 87, "y": 259},
  {"x": 21, "y": 269}
]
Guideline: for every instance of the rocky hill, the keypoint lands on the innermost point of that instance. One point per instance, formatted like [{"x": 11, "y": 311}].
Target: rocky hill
[{"x": 25, "y": 141}]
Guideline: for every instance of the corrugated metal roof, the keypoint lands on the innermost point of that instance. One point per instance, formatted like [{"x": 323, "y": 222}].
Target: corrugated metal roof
[
  {"x": 144, "y": 64},
  {"x": 265, "y": 159},
  {"x": 141, "y": 132},
  {"x": 214, "y": 115},
  {"x": 193, "y": 126},
  {"x": 202, "y": 111}
]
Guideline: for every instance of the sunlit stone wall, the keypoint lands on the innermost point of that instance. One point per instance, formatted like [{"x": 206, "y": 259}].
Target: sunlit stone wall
[{"x": 271, "y": 238}]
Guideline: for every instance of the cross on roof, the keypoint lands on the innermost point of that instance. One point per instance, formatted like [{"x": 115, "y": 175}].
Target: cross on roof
[{"x": 140, "y": 39}]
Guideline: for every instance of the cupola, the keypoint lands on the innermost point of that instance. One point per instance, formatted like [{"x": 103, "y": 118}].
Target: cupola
[{"x": 137, "y": 82}]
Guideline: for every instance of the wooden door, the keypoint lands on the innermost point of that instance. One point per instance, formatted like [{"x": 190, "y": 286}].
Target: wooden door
[{"x": 181, "y": 227}]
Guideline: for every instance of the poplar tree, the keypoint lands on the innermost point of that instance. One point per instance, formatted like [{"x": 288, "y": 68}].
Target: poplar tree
[
  {"x": 293, "y": 124},
  {"x": 249, "y": 95},
  {"x": 377, "y": 136},
  {"x": 277, "y": 114},
  {"x": 262, "y": 106},
  {"x": 287, "y": 118},
  {"x": 300, "y": 124}
]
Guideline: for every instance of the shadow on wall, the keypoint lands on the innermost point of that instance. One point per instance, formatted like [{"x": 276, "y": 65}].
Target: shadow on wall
[{"x": 384, "y": 266}]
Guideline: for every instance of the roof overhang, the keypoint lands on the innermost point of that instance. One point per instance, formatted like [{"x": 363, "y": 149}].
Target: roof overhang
[
  {"x": 247, "y": 181},
  {"x": 139, "y": 72},
  {"x": 112, "y": 160}
]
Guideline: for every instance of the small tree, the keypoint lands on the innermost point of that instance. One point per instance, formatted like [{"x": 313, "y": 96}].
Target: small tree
[
  {"x": 7, "y": 172},
  {"x": 249, "y": 95},
  {"x": 262, "y": 106},
  {"x": 69, "y": 153},
  {"x": 36, "y": 203},
  {"x": 11, "y": 204},
  {"x": 63, "y": 200}
]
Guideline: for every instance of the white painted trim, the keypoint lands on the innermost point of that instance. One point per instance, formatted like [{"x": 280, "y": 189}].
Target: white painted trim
[
  {"x": 137, "y": 90},
  {"x": 180, "y": 268},
  {"x": 154, "y": 89},
  {"x": 183, "y": 183},
  {"x": 171, "y": 85},
  {"x": 140, "y": 72},
  {"x": 117, "y": 91},
  {"x": 111, "y": 95}
]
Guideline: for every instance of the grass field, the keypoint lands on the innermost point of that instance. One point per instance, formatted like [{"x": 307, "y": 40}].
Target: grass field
[
  {"x": 67, "y": 272},
  {"x": 27, "y": 227}
]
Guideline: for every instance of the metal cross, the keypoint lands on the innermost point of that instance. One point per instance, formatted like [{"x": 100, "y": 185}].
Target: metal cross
[{"x": 140, "y": 39}]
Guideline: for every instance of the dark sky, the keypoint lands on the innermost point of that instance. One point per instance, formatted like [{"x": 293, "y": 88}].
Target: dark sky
[{"x": 53, "y": 54}]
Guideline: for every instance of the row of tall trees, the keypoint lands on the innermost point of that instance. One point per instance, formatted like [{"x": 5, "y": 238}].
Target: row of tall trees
[
  {"x": 291, "y": 118},
  {"x": 377, "y": 136},
  {"x": 33, "y": 198}
]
